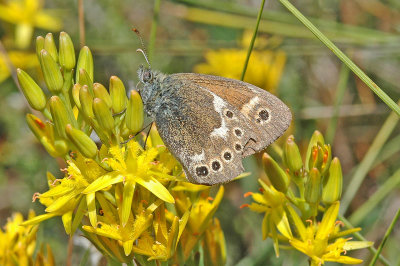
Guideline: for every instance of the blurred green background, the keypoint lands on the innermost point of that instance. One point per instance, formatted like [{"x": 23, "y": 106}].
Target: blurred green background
[{"x": 212, "y": 36}]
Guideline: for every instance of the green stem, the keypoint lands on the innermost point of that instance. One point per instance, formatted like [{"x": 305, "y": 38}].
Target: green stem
[
  {"x": 342, "y": 84},
  {"x": 362, "y": 238},
  {"x": 253, "y": 39},
  {"x": 390, "y": 184},
  {"x": 328, "y": 43},
  {"x": 388, "y": 232},
  {"x": 369, "y": 158},
  {"x": 153, "y": 32}
]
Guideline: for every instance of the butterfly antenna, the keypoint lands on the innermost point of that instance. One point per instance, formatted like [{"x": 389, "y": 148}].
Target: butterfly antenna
[{"x": 143, "y": 50}]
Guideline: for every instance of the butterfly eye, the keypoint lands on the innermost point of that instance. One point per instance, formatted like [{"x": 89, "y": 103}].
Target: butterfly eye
[
  {"x": 201, "y": 171},
  {"x": 147, "y": 76}
]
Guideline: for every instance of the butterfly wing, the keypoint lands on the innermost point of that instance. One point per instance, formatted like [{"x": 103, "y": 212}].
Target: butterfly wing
[
  {"x": 266, "y": 115},
  {"x": 209, "y": 124}
]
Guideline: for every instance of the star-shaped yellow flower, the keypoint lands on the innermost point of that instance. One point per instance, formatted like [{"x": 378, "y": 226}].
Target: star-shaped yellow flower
[{"x": 26, "y": 15}]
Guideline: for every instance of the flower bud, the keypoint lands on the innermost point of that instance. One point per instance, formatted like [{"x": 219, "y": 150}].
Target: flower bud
[
  {"x": 82, "y": 142},
  {"x": 39, "y": 45},
  {"x": 86, "y": 101},
  {"x": 326, "y": 159},
  {"x": 85, "y": 61},
  {"x": 316, "y": 158},
  {"x": 276, "y": 175},
  {"x": 332, "y": 190},
  {"x": 36, "y": 126},
  {"x": 61, "y": 147},
  {"x": 67, "y": 52},
  {"x": 103, "y": 115},
  {"x": 134, "y": 112},
  {"x": 75, "y": 94},
  {"x": 312, "y": 192},
  {"x": 316, "y": 138},
  {"x": 50, "y": 46},
  {"x": 292, "y": 156},
  {"x": 118, "y": 94},
  {"x": 59, "y": 115},
  {"x": 101, "y": 92},
  {"x": 51, "y": 72},
  {"x": 33, "y": 93},
  {"x": 84, "y": 79}
]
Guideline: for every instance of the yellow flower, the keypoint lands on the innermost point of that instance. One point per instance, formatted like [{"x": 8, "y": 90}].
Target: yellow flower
[
  {"x": 214, "y": 245},
  {"x": 264, "y": 69},
  {"x": 17, "y": 244},
  {"x": 26, "y": 15},
  {"x": 272, "y": 203},
  {"x": 323, "y": 242},
  {"x": 202, "y": 211},
  {"x": 18, "y": 59},
  {"x": 133, "y": 166}
]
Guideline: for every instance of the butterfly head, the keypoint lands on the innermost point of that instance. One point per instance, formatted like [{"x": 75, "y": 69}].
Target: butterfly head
[
  {"x": 151, "y": 81},
  {"x": 145, "y": 74}
]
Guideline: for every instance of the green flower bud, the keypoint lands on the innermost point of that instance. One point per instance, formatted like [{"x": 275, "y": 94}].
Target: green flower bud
[
  {"x": 316, "y": 138},
  {"x": 84, "y": 79},
  {"x": 85, "y": 61},
  {"x": 103, "y": 115},
  {"x": 86, "y": 100},
  {"x": 312, "y": 193},
  {"x": 118, "y": 94},
  {"x": 316, "y": 158},
  {"x": 33, "y": 93},
  {"x": 292, "y": 156},
  {"x": 51, "y": 72},
  {"x": 134, "y": 112},
  {"x": 67, "y": 52},
  {"x": 50, "y": 46},
  {"x": 326, "y": 159},
  {"x": 61, "y": 147},
  {"x": 59, "y": 115},
  {"x": 101, "y": 92},
  {"x": 75, "y": 94},
  {"x": 332, "y": 190},
  {"x": 36, "y": 126},
  {"x": 82, "y": 142},
  {"x": 155, "y": 137},
  {"x": 39, "y": 45},
  {"x": 279, "y": 179}
]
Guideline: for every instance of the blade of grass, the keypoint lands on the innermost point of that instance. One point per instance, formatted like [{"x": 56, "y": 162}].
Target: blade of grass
[
  {"x": 390, "y": 184},
  {"x": 153, "y": 31},
  {"x": 369, "y": 158},
  {"x": 337, "y": 31},
  {"x": 328, "y": 43},
  {"x": 253, "y": 39},
  {"x": 362, "y": 238},
  {"x": 342, "y": 84},
  {"x": 385, "y": 237}
]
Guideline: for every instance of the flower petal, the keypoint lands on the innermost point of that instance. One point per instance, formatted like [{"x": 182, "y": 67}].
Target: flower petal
[
  {"x": 155, "y": 187},
  {"x": 103, "y": 182}
]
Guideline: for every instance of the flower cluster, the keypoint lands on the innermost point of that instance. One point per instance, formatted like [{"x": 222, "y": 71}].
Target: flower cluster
[
  {"x": 18, "y": 243},
  {"x": 295, "y": 197},
  {"x": 131, "y": 202}
]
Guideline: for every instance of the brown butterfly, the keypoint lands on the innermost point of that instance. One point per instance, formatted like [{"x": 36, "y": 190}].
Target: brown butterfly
[{"x": 210, "y": 123}]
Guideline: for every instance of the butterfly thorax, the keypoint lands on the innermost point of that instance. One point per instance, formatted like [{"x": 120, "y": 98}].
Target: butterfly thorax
[{"x": 152, "y": 91}]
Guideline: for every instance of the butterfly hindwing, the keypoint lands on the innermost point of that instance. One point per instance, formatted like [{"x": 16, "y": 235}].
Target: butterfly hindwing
[
  {"x": 265, "y": 115},
  {"x": 214, "y": 122}
]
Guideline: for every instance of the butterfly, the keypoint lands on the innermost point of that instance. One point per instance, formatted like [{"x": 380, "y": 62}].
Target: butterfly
[{"x": 210, "y": 123}]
